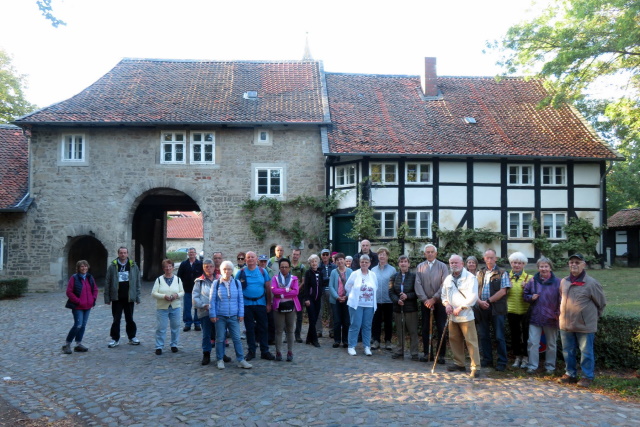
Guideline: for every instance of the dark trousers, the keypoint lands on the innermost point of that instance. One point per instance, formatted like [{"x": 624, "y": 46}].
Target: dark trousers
[
  {"x": 117, "y": 308},
  {"x": 487, "y": 320},
  {"x": 299, "y": 316},
  {"x": 313, "y": 311},
  {"x": 519, "y": 327},
  {"x": 440, "y": 317},
  {"x": 340, "y": 322},
  {"x": 272, "y": 327},
  {"x": 384, "y": 313},
  {"x": 255, "y": 320}
]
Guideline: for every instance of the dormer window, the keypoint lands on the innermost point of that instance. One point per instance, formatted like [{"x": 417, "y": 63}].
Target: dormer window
[
  {"x": 470, "y": 120},
  {"x": 250, "y": 94}
]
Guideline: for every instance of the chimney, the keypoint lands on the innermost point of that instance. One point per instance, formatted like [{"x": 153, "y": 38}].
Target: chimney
[{"x": 430, "y": 77}]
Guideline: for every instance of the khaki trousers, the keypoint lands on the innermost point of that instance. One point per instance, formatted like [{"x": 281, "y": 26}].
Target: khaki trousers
[{"x": 458, "y": 334}]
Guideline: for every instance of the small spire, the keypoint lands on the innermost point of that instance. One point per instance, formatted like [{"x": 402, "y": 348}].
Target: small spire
[{"x": 307, "y": 52}]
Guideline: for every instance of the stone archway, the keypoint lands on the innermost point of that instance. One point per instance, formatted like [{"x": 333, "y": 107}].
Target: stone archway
[
  {"x": 149, "y": 226},
  {"x": 91, "y": 250}
]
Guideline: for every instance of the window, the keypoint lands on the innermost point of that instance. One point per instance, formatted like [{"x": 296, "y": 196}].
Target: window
[
  {"x": 1, "y": 252},
  {"x": 386, "y": 226},
  {"x": 383, "y": 173},
  {"x": 73, "y": 148},
  {"x": 520, "y": 225},
  {"x": 418, "y": 173},
  {"x": 520, "y": 175},
  {"x": 173, "y": 147},
  {"x": 419, "y": 223},
  {"x": 345, "y": 175},
  {"x": 203, "y": 147},
  {"x": 262, "y": 136},
  {"x": 553, "y": 225},
  {"x": 554, "y": 175},
  {"x": 269, "y": 182}
]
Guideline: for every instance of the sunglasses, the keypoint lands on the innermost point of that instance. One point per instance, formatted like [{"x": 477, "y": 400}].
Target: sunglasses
[
  {"x": 325, "y": 254},
  {"x": 240, "y": 259}
]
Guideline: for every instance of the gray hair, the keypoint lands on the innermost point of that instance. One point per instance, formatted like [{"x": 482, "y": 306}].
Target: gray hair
[
  {"x": 207, "y": 262},
  {"x": 192, "y": 249},
  {"x": 365, "y": 257},
  {"x": 313, "y": 256},
  {"x": 544, "y": 259},
  {"x": 348, "y": 258},
  {"x": 518, "y": 256},
  {"x": 429, "y": 245},
  {"x": 471, "y": 258},
  {"x": 226, "y": 264},
  {"x": 455, "y": 256}
]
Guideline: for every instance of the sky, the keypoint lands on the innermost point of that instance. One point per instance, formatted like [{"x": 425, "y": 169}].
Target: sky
[{"x": 351, "y": 36}]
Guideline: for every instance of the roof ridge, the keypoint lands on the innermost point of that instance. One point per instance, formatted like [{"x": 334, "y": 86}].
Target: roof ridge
[{"x": 247, "y": 61}]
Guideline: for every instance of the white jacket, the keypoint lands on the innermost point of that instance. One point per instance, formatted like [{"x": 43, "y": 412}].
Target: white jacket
[
  {"x": 353, "y": 288},
  {"x": 467, "y": 286}
]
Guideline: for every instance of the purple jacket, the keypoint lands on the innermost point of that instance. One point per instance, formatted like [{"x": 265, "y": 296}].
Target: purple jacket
[
  {"x": 280, "y": 293},
  {"x": 545, "y": 311}
]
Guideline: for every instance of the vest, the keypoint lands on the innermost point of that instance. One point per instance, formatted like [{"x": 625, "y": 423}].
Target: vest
[{"x": 497, "y": 307}]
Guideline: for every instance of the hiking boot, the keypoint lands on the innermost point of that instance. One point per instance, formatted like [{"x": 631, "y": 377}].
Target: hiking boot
[
  {"x": 585, "y": 382},
  {"x": 174, "y": 349},
  {"x": 226, "y": 359},
  {"x": 197, "y": 328},
  {"x": 158, "y": 351},
  {"x": 206, "y": 358},
  {"x": 250, "y": 356},
  {"x": 567, "y": 379},
  {"x": 66, "y": 349},
  {"x": 186, "y": 328},
  {"x": 454, "y": 367},
  {"x": 267, "y": 356},
  {"x": 80, "y": 348}
]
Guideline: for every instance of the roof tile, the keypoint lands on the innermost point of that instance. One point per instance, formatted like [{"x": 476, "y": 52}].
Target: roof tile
[{"x": 14, "y": 173}]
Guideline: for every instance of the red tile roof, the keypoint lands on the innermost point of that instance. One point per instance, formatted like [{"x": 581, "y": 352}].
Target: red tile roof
[
  {"x": 142, "y": 91},
  {"x": 14, "y": 169},
  {"x": 184, "y": 228},
  {"x": 625, "y": 218},
  {"x": 380, "y": 114}
]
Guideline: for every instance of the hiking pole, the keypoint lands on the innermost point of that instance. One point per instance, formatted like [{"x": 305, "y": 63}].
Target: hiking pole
[
  {"x": 402, "y": 330},
  {"x": 430, "y": 332},
  {"x": 435, "y": 360}
]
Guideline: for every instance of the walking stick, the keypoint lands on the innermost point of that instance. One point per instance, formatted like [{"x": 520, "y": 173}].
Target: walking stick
[
  {"x": 430, "y": 332},
  {"x": 435, "y": 360},
  {"x": 402, "y": 333}
]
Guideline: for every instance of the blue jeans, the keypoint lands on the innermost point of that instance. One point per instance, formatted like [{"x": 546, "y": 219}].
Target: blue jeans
[
  {"x": 484, "y": 334},
  {"x": 206, "y": 334},
  {"x": 361, "y": 318},
  {"x": 233, "y": 325},
  {"x": 571, "y": 341},
  {"x": 163, "y": 316},
  {"x": 187, "y": 303},
  {"x": 80, "y": 318}
]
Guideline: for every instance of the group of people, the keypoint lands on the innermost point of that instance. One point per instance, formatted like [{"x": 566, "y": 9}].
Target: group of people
[{"x": 367, "y": 296}]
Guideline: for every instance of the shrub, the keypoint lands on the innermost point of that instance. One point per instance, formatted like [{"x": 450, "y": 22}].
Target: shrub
[
  {"x": 177, "y": 256},
  {"x": 617, "y": 343},
  {"x": 13, "y": 288}
]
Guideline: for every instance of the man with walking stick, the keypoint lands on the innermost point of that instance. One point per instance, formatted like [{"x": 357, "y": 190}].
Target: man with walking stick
[
  {"x": 405, "y": 307},
  {"x": 459, "y": 295}
]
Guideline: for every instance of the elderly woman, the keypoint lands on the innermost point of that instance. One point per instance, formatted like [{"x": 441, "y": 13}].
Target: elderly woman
[
  {"x": 472, "y": 264},
  {"x": 348, "y": 260},
  {"x": 338, "y": 299},
  {"x": 362, "y": 288},
  {"x": 168, "y": 291},
  {"x": 384, "y": 314},
  {"x": 82, "y": 293},
  {"x": 543, "y": 292},
  {"x": 313, "y": 291},
  {"x": 517, "y": 309},
  {"x": 402, "y": 291},
  {"x": 285, "y": 306}
]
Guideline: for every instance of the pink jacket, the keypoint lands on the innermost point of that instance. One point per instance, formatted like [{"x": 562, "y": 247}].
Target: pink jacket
[{"x": 280, "y": 293}]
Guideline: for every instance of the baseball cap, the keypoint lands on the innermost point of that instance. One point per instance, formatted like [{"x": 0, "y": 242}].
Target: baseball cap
[
  {"x": 325, "y": 251},
  {"x": 577, "y": 255},
  {"x": 263, "y": 258}
]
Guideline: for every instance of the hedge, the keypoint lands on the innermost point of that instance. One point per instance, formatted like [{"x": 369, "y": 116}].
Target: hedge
[
  {"x": 13, "y": 288},
  {"x": 617, "y": 343}
]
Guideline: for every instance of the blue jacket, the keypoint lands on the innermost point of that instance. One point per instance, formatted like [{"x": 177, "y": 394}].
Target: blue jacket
[{"x": 226, "y": 301}]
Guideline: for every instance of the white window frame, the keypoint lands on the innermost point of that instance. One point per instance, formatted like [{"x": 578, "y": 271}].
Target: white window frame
[
  {"x": 262, "y": 136},
  {"x": 349, "y": 178},
  {"x": 419, "y": 226},
  {"x": 557, "y": 234},
  {"x": 203, "y": 144},
  {"x": 268, "y": 167},
  {"x": 554, "y": 169},
  {"x": 384, "y": 172},
  {"x": 174, "y": 143},
  {"x": 418, "y": 179},
  {"x": 523, "y": 230},
  {"x": 382, "y": 229},
  {"x": 1, "y": 253},
  {"x": 520, "y": 175},
  {"x": 72, "y": 158}
]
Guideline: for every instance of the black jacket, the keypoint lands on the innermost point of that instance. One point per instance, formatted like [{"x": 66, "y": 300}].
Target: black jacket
[{"x": 411, "y": 303}]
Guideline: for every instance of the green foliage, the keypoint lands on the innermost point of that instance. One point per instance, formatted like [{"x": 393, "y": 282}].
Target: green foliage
[
  {"x": 365, "y": 226},
  {"x": 13, "y": 288},
  {"x": 12, "y": 101},
  {"x": 265, "y": 215},
  {"x": 617, "y": 343},
  {"x": 177, "y": 256},
  {"x": 47, "y": 11},
  {"x": 463, "y": 241},
  {"x": 581, "y": 236}
]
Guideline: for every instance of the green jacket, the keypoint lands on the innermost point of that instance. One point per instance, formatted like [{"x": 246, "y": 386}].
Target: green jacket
[{"x": 111, "y": 287}]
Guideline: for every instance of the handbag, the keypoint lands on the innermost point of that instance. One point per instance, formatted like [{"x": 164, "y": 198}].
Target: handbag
[{"x": 286, "y": 306}]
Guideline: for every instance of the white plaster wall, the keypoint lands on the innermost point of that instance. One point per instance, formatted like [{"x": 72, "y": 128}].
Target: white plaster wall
[
  {"x": 525, "y": 248},
  {"x": 449, "y": 218},
  {"x": 553, "y": 199},
  {"x": 384, "y": 196},
  {"x": 486, "y": 197},
  {"x": 487, "y": 219},
  {"x": 349, "y": 200},
  {"x": 453, "y": 195},
  {"x": 486, "y": 173},
  {"x": 418, "y": 197},
  {"x": 587, "y": 198},
  {"x": 593, "y": 216},
  {"x": 586, "y": 174},
  {"x": 453, "y": 172},
  {"x": 520, "y": 198}
]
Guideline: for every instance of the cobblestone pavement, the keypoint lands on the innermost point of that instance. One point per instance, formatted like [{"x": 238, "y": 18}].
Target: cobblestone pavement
[{"x": 130, "y": 385}]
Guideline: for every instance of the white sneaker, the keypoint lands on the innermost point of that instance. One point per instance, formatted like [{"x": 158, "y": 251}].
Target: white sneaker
[
  {"x": 134, "y": 341},
  {"x": 516, "y": 364},
  {"x": 525, "y": 362},
  {"x": 367, "y": 351},
  {"x": 220, "y": 364},
  {"x": 351, "y": 351},
  {"x": 244, "y": 364},
  {"x": 114, "y": 343}
]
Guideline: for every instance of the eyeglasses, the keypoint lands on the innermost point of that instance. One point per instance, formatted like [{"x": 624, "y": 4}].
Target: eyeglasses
[
  {"x": 284, "y": 266},
  {"x": 240, "y": 259},
  {"x": 325, "y": 254}
]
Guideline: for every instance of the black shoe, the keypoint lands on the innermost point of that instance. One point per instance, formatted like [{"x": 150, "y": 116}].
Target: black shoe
[
  {"x": 316, "y": 344},
  {"x": 474, "y": 373},
  {"x": 424, "y": 358},
  {"x": 415, "y": 357},
  {"x": 486, "y": 365},
  {"x": 330, "y": 334},
  {"x": 197, "y": 328},
  {"x": 158, "y": 351},
  {"x": 454, "y": 367},
  {"x": 250, "y": 356},
  {"x": 345, "y": 345},
  {"x": 186, "y": 328},
  {"x": 174, "y": 349},
  {"x": 320, "y": 335},
  {"x": 80, "y": 348},
  {"x": 299, "y": 340},
  {"x": 336, "y": 344},
  {"x": 267, "y": 356},
  {"x": 226, "y": 359},
  {"x": 440, "y": 361},
  {"x": 206, "y": 358},
  {"x": 568, "y": 379},
  {"x": 397, "y": 356},
  {"x": 500, "y": 368},
  {"x": 272, "y": 342}
]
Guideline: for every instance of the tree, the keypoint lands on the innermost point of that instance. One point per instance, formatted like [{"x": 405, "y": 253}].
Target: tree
[
  {"x": 12, "y": 101},
  {"x": 47, "y": 11}
]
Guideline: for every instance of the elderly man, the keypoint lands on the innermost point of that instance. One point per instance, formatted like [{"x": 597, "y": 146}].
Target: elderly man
[
  {"x": 365, "y": 249},
  {"x": 582, "y": 303},
  {"x": 493, "y": 284},
  {"x": 429, "y": 277},
  {"x": 273, "y": 261},
  {"x": 122, "y": 291},
  {"x": 459, "y": 295},
  {"x": 190, "y": 269}
]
